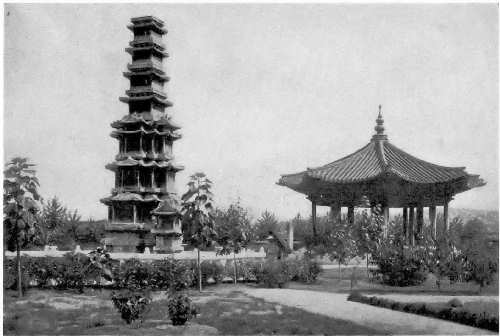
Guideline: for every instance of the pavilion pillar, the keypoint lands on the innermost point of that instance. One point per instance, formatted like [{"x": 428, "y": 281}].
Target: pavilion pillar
[
  {"x": 405, "y": 224},
  {"x": 112, "y": 212},
  {"x": 125, "y": 147},
  {"x": 122, "y": 177},
  {"x": 446, "y": 221},
  {"x": 140, "y": 143},
  {"x": 335, "y": 212},
  {"x": 138, "y": 176},
  {"x": 350, "y": 214},
  {"x": 313, "y": 217},
  {"x": 411, "y": 231},
  {"x": 420, "y": 221},
  {"x": 386, "y": 221},
  {"x": 135, "y": 213},
  {"x": 432, "y": 220},
  {"x": 152, "y": 178}
]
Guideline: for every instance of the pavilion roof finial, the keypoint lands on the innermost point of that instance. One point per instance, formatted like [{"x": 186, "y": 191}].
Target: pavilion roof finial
[{"x": 379, "y": 128}]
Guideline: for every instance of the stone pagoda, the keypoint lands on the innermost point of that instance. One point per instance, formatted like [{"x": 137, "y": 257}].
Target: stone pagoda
[{"x": 143, "y": 209}]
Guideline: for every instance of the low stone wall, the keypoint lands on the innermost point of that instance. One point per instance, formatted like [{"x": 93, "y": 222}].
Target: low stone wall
[{"x": 51, "y": 251}]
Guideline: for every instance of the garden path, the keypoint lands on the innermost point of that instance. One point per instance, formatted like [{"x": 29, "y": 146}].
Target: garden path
[{"x": 336, "y": 305}]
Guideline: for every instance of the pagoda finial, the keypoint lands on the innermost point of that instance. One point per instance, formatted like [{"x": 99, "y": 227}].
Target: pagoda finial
[{"x": 379, "y": 128}]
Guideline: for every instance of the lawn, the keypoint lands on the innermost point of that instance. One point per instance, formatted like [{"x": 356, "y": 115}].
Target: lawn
[{"x": 223, "y": 310}]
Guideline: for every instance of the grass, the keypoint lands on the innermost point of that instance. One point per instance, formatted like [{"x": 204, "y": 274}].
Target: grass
[{"x": 230, "y": 311}]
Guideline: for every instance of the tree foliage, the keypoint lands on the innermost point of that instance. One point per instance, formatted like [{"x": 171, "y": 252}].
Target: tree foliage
[
  {"x": 266, "y": 223},
  {"x": 53, "y": 221},
  {"x": 20, "y": 196},
  {"x": 198, "y": 212},
  {"x": 233, "y": 228}
]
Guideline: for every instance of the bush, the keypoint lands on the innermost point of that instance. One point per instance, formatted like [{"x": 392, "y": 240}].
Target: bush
[
  {"x": 70, "y": 271},
  {"x": 74, "y": 271},
  {"x": 132, "y": 305},
  {"x": 355, "y": 296},
  {"x": 455, "y": 303},
  {"x": 248, "y": 269},
  {"x": 180, "y": 308},
  {"x": 303, "y": 269},
  {"x": 135, "y": 275},
  {"x": 458, "y": 315},
  {"x": 212, "y": 269},
  {"x": 172, "y": 274},
  {"x": 273, "y": 273},
  {"x": 401, "y": 266}
]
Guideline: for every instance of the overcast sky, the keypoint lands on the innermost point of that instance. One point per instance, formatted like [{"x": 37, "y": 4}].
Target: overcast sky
[{"x": 260, "y": 90}]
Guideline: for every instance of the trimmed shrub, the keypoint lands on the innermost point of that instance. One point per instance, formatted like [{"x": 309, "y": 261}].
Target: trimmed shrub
[
  {"x": 132, "y": 305},
  {"x": 483, "y": 320},
  {"x": 355, "y": 296},
  {"x": 180, "y": 308}
]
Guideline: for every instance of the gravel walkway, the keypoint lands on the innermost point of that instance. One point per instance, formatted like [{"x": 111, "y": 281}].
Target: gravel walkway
[{"x": 389, "y": 321}]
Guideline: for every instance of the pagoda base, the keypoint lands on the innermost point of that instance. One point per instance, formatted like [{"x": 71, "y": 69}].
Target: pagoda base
[
  {"x": 168, "y": 244},
  {"x": 136, "y": 242}
]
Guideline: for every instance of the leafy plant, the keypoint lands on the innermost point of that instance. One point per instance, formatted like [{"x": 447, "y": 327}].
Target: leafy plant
[
  {"x": 198, "y": 216},
  {"x": 303, "y": 269},
  {"x": 233, "y": 232},
  {"x": 20, "y": 196},
  {"x": 172, "y": 274},
  {"x": 180, "y": 308},
  {"x": 100, "y": 265},
  {"x": 273, "y": 273},
  {"x": 71, "y": 271},
  {"x": 132, "y": 306},
  {"x": 135, "y": 275}
]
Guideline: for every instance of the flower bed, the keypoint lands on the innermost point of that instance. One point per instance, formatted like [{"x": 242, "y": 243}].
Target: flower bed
[{"x": 451, "y": 311}]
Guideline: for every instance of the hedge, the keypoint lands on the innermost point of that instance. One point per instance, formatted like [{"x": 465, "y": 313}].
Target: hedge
[
  {"x": 75, "y": 271},
  {"x": 454, "y": 314}
]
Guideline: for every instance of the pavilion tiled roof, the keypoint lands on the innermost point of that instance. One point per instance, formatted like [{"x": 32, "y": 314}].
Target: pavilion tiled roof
[{"x": 380, "y": 158}]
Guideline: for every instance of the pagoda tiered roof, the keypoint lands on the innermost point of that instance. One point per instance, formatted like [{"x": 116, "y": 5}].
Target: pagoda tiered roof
[
  {"x": 152, "y": 97},
  {"x": 135, "y": 118},
  {"x": 169, "y": 133},
  {"x": 130, "y": 162},
  {"x": 159, "y": 74},
  {"x": 377, "y": 161},
  {"x": 153, "y": 48},
  {"x": 168, "y": 206},
  {"x": 147, "y": 22}
]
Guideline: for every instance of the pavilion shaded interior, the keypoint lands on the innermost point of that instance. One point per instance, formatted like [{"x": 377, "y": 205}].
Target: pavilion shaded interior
[{"x": 380, "y": 174}]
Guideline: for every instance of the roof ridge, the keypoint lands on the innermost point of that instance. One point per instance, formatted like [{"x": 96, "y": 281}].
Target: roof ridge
[{"x": 379, "y": 150}]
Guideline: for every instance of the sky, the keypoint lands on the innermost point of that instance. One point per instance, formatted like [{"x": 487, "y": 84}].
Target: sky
[{"x": 260, "y": 90}]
